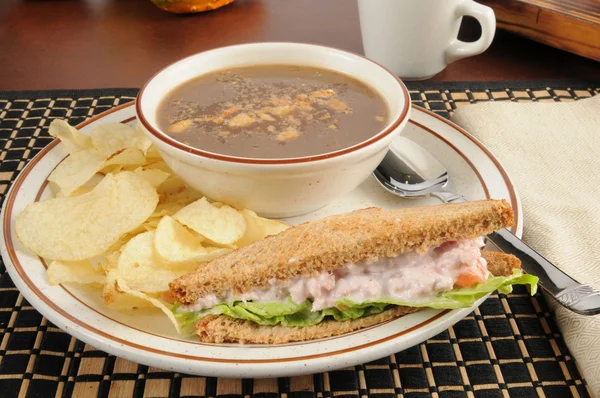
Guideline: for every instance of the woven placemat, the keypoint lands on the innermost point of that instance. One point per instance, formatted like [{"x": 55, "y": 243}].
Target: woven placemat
[{"x": 510, "y": 346}]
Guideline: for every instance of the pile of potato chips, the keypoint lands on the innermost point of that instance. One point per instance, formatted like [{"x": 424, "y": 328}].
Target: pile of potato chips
[{"x": 122, "y": 219}]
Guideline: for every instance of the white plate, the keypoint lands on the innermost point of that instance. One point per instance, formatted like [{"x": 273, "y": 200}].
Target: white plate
[{"x": 149, "y": 338}]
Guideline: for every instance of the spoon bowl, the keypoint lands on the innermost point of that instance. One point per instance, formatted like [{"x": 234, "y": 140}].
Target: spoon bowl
[{"x": 410, "y": 171}]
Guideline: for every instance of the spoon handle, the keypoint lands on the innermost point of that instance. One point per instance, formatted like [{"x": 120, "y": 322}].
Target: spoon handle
[{"x": 580, "y": 298}]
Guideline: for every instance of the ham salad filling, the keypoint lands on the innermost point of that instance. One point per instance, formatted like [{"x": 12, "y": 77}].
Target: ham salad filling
[{"x": 411, "y": 276}]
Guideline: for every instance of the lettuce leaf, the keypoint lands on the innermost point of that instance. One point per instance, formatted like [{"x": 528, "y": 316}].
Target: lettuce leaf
[{"x": 290, "y": 314}]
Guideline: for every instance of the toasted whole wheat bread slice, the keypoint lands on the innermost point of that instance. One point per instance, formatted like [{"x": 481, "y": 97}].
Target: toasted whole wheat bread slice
[
  {"x": 224, "y": 329},
  {"x": 329, "y": 243}
]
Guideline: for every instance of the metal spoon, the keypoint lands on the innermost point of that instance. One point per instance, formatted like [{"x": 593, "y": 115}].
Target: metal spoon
[{"x": 409, "y": 171}]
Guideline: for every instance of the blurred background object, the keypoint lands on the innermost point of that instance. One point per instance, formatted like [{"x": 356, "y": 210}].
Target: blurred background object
[
  {"x": 190, "y": 6},
  {"x": 572, "y": 25},
  {"x": 121, "y": 43}
]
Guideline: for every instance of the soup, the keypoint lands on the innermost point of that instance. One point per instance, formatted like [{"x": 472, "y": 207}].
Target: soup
[{"x": 273, "y": 111}]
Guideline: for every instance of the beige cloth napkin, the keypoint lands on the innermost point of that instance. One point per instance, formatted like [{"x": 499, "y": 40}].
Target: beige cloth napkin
[{"x": 552, "y": 153}]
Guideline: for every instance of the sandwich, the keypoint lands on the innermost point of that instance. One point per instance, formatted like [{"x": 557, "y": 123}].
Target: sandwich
[{"x": 347, "y": 272}]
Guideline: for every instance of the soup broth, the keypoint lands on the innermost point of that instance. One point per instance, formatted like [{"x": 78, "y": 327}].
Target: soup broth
[{"x": 272, "y": 111}]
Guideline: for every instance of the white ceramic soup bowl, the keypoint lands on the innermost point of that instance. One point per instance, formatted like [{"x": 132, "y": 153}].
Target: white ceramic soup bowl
[{"x": 274, "y": 187}]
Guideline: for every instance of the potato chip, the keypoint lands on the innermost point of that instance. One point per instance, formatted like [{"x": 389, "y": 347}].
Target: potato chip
[
  {"x": 77, "y": 271},
  {"x": 139, "y": 230},
  {"x": 85, "y": 188},
  {"x": 139, "y": 251},
  {"x": 258, "y": 228},
  {"x": 150, "y": 226},
  {"x": 153, "y": 152},
  {"x": 174, "y": 243},
  {"x": 109, "y": 261},
  {"x": 109, "y": 291},
  {"x": 75, "y": 170},
  {"x": 69, "y": 136},
  {"x": 109, "y": 138},
  {"x": 72, "y": 229},
  {"x": 168, "y": 209},
  {"x": 127, "y": 156},
  {"x": 116, "y": 299},
  {"x": 141, "y": 268},
  {"x": 154, "y": 176},
  {"x": 122, "y": 302},
  {"x": 78, "y": 192},
  {"x": 144, "y": 270},
  {"x": 118, "y": 245},
  {"x": 163, "y": 306},
  {"x": 151, "y": 223},
  {"x": 159, "y": 165},
  {"x": 172, "y": 185},
  {"x": 221, "y": 225},
  {"x": 170, "y": 204},
  {"x": 98, "y": 263},
  {"x": 148, "y": 279},
  {"x": 54, "y": 189}
]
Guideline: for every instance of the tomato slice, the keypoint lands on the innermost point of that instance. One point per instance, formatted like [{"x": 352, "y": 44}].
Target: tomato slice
[{"x": 471, "y": 276}]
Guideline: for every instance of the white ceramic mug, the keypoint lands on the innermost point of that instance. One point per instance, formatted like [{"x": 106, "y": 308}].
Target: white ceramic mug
[{"x": 417, "y": 39}]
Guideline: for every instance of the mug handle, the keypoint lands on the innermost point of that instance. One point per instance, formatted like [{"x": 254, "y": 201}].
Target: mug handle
[{"x": 459, "y": 49}]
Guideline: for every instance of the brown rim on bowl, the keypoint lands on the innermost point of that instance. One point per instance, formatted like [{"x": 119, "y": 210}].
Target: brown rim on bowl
[{"x": 186, "y": 148}]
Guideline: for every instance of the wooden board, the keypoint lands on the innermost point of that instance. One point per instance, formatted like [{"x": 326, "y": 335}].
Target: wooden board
[{"x": 571, "y": 25}]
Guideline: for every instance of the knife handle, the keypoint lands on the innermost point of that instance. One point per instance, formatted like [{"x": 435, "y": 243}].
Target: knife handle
[{"x": 580, "y": 298}]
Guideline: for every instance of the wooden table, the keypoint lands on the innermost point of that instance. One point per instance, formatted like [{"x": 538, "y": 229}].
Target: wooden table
[{"x": 55, "y": 44}]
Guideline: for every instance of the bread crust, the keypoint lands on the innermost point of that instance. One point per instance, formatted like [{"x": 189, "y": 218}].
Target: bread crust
[
  {"x": 329, "y": 243},
  {"x": 499, "y": 263},
  {"x": 223, "y": 329}
]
